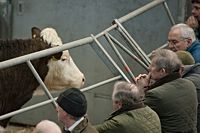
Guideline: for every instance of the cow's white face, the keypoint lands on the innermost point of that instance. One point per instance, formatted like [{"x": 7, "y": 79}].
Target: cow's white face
[{"x": 63, "y": 73}]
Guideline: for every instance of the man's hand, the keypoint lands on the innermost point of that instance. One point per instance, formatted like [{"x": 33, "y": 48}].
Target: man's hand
[
  {"x": 192, "y": 22},
  {"x": 142, "y": 81}
]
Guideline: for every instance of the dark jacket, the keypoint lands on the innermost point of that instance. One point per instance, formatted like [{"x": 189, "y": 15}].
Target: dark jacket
[
  {"x": 174, "y": 99},
  {"x": 192, "y": 73},
  {"x": 83, "y": 127},
  {"x": 141, "y": 120}
]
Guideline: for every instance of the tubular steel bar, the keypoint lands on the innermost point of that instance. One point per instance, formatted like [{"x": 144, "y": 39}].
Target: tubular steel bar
[
  {"x": 128, "y": 52},
  {"x": 25, "y": 109},
  {"x": 50, "y": 101},
  {"x": 43, "y": 53},
  {"x": 140, "y": 10},
  {"x": 163, "y": 46},
  {"x": 77, "y": 43},
  {"x": 169, "y": 13},
  {"x": 40, "y": 81},
  {"x": 110, "y": 58},
  {"x": 133, "y": 43},
  {"x": 120, "y": 57},
  {"x": 101, "y": 83}
]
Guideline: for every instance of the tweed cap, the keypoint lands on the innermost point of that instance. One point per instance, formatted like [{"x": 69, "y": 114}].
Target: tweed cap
[
  {"x": 73, "y": 102},
  {"x": 185, "y": 57}
]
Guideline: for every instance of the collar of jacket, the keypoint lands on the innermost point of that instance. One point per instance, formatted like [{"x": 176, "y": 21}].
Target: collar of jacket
[
  {"x": 188, "y": 69},
  {"x": 80, "y": 127},
  {"x": 165, "y": 79},
  {"x": 125, "y": 109}
]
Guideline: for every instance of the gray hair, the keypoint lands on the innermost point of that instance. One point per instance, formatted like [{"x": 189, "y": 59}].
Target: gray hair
[
  {"x": 127, "y": 93},
  {"x": 167, "y": 59},
  {"x": 186, "y": 31}
]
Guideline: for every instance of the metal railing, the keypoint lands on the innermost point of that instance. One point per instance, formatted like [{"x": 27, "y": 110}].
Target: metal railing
[{"x": 88, "y": 40}]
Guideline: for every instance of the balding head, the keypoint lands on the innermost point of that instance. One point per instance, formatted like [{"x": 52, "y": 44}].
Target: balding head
[
  {"x": 127, "y": 93},
  {"x": 47, "y": 126}
]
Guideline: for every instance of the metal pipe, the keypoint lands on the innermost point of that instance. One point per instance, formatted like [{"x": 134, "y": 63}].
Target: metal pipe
[
  {"x": 110, "y": 58},
  {"x": 132, "y": 15},
  {"x": 101, "y": 83},
  {"x": 40, "y": 81},
  {"x": 163, "y": 46},
  {"x": 54, "y": 99},
  {"x": 169, "y": 13},
  {"x": 43, "y": 53},
  {"x": 76, "y": 43},
  {"x": 128, "y": 52},
  {"x": 133, "y": 43},
  {"x": 140, "y": 10},
  {"x": 120, "y": 57},
  {"x": 25, "y": 109}
]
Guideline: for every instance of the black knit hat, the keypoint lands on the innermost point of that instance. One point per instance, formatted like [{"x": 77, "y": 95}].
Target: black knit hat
[{"x": 73, "y": 102}]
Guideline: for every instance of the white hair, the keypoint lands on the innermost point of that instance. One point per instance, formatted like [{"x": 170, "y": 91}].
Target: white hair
[
  {"x": 51, "y": 37},
  {"x": 186, "y": 31}
]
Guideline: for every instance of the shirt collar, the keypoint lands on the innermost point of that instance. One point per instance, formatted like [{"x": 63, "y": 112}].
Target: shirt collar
[{"x": 74, "y": 125}]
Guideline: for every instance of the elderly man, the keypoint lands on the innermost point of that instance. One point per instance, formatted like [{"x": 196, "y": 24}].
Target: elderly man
[
  {"x": 130, "y": 114},
  {"x": 173, "y": 98},
  {"x": 47, "y": 126},
  {"x": 72, "y": 107},
  {"x": 191, "y": 72},
  {"x": 182, "y": 37},
  {"x": 194, "y": 20}
]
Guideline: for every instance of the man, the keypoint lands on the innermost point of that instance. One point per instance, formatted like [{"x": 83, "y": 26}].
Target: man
[
  {"x": 194, "y": 20},
  {"x": 191, "y": 72},
  {"x": 173, "y": 98},
  {"x": 130, "y": 114},
  {"x": 182, "y": 37},
  {"x": 72, "y": 107},
  {"x": 47, "y": 126}
]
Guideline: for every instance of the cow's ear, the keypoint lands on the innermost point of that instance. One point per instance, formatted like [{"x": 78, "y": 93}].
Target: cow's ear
[{"x": 35, "y": 32}]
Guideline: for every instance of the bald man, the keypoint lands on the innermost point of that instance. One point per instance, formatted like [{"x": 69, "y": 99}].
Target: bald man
[{"x": 47, "y": 126}]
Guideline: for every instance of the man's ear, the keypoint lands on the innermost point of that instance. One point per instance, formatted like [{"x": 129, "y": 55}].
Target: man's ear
[
  {"x": 35, "y": 32},
  {"x": 189, "y": 42},
  {"x": 181, "y": 70},
  {"x": 119, "y": 104},
  {"x": 163, "y": 71}
]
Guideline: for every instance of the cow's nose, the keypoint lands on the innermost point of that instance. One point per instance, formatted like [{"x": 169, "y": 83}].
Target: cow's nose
[{"x": 83, "y": 79}]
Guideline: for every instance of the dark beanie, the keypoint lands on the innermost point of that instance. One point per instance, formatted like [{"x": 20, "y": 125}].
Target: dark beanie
[{"x": 73, "y": 102}]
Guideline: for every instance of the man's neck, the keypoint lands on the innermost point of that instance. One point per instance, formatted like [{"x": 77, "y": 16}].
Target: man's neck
[{"x": 69, "y": 123}]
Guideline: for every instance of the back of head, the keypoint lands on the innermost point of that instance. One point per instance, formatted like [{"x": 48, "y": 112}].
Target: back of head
[
  {"x": 166, "y": 59},
  {"x": 185, "y": 57},
  {"x": 73, "y": 101},
  {"x": 186, "y": 31},
  {"x": 47, "y": 126},
  {"x": 127, "y": 93}
]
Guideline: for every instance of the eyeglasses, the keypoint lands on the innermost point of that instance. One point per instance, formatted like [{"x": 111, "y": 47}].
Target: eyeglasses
[{"x": 174, "y": 42}]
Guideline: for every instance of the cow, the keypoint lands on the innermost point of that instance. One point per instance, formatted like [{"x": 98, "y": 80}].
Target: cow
[{"x": 17, "y": 83}]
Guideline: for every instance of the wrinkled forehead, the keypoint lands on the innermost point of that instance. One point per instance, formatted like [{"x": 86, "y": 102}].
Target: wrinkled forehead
[{"x": 174, "y": 34}]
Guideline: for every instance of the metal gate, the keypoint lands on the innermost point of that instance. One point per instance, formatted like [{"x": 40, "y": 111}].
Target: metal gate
[{"x": 122, "y": 71}]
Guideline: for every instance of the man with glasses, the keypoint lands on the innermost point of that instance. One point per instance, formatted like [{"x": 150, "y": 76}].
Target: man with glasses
[{"x": 182, "y": 37}]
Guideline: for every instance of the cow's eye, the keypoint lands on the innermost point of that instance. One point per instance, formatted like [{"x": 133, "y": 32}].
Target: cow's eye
[{"x": 63, "y": 59}]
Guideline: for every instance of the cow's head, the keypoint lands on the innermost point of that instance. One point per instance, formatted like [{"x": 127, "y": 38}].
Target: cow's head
[{"x": 63, "y": 72}]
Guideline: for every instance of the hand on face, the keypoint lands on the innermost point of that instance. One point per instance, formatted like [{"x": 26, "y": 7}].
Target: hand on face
[
  {"x": 192, "y": 22},
  {"x": 142, "y": 81}
]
